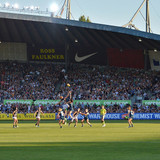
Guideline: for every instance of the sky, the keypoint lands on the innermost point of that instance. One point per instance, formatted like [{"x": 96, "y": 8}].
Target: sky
[{"x": 109, "y": 12}]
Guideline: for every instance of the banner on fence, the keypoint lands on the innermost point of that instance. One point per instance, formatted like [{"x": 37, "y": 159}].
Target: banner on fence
[
  {"x": 85, "y": 102},
  {"x": 12, "y": 101},
  {"x": 149, "y": 102},
  {"x": 28, "y": 116},
  {"x": 45, "y": 102},
  {"x": 121, "y": 116}
]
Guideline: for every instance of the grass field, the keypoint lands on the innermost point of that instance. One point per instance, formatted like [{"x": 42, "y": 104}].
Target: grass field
[{"x": 49, "y": 142}]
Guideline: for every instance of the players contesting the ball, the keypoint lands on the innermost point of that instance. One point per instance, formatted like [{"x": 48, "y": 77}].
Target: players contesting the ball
[
  {"x": 37, "y": 114},
  {"x": 63, "y": 104},
  {"x": 15, "y": 120},
  {"x": 86, "y": 117}
]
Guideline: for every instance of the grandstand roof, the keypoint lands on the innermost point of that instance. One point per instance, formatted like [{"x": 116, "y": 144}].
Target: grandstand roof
[{"x": 40, "y": 30}]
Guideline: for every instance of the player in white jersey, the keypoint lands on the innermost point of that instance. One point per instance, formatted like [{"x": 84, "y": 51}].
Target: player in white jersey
[
  {"x": 130, "y": 116},
  {"x": 15, "y": 120},
  {"x": 75, "y": 117},
  {"x": 37, "y": 114}
]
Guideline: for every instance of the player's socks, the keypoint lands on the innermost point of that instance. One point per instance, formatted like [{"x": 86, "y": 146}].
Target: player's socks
[
  {"x": 82, "y": 125},
  {"x": 60, "y": 126},
  {"x": 65, "y": 121},
  {"x": 75, "y": 126},
  {"x": 13, "y": 126}
]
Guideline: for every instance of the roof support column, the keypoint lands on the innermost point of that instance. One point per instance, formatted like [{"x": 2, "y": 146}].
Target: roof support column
[{"x": 146, "y": 60}]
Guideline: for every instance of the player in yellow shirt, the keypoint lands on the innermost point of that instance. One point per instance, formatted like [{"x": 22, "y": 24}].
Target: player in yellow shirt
[{"x": 102, "y": 115}]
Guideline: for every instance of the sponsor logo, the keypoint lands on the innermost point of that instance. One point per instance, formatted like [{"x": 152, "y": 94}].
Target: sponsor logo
[
  {"x": 80, "y": 59},
  {"x": 156, "y": 62}
]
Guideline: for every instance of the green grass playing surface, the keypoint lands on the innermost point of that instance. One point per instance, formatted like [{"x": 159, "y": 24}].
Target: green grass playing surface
[{"x": 49, "y": 142}]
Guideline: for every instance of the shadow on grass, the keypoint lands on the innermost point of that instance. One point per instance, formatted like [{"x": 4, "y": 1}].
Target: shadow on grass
[{"x": 80, "y": 151}]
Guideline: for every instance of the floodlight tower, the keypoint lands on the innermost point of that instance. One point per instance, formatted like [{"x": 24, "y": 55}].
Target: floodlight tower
[
  {"x": 66, "y": 5},
  {"x": 131, "y": 25},
  {"x": 148, "y": 29}
]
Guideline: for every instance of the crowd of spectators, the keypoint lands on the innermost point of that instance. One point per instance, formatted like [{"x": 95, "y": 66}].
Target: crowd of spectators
[
  {"x": 28, "y": 81},
  {"x": 105, "y": 83},
  {"x": 49, "y": 82}
]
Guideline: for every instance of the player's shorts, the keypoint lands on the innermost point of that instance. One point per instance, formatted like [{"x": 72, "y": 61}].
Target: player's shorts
[
  {"x": 38, "y": 117},
  {"x": 74, "y": 118},
  {"x": 14, "y": 118},
  {"x": 62, "y": 118},
  {"x": 65, "y": 106},
  {"x": 130, "y": 117},
  {"x": 70, "y": 109},
  {"x": 102, "y": 116},
  {"x": 85, "y": 118}
]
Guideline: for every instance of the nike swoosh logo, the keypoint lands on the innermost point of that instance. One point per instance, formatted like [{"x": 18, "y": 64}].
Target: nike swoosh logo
[{"x": 80, "y": 59}]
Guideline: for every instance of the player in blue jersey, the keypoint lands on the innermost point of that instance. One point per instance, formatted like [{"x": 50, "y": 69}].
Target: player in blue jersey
[
  {"x": 70, "y": 108},
  {"x": 130, "y": 116},
  {"x": 61, "y": 117},
  {"x": 86, "y": 117}
]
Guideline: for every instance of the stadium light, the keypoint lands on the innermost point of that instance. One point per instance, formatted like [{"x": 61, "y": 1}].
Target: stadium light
[
  {"x": 155, "y": 50},
  {"x": 76, "y": 41},
  {"x": 31, "y": 7},
  {"x": 16, "y": 6},
  {"x": 66, "y": 29},
  {"x": 54, "y": 7},
  {"x": 140, "y": 40},
  {"x": 6, "y": 5}
]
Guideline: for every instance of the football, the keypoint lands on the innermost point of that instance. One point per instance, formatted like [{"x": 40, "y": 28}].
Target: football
[{"x": 68, "y": 85}]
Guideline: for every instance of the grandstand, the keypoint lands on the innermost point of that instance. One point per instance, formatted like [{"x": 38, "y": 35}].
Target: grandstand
[{"x": 31, "y": 47}]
